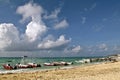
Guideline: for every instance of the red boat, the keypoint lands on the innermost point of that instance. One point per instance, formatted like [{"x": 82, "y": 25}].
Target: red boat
[
  {"x": 28, "y": 65},
  {"x": 19, "y": 66},
  {"x": 23, "y": 64},
  {"x": 8, "y": 67}
]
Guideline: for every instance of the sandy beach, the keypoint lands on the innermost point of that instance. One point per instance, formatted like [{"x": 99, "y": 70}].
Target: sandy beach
[{"x": 103, "y": 71}]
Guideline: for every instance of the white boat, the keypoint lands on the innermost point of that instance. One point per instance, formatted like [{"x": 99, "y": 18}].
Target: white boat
[
  {"x": 26, "y": 64},
  {"x": 58, "y": 64}
]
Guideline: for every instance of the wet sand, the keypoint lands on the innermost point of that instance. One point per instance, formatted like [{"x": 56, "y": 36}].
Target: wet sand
[{"x": 103, "y": 71}]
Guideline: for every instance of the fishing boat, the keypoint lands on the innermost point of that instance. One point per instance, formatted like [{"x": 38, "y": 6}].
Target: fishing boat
[
  {"x": 58, "y": 64},
  {"x": 23, "y": 64},
  {"x": 8, "y": 67},
  {"x": 26, "y": 64}
]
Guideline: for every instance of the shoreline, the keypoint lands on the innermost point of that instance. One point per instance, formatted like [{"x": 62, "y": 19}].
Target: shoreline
[
  {"x": 48, "y": 69},
  {"x": 36, "y": 70},
  {"x": 104, "y": 71}
]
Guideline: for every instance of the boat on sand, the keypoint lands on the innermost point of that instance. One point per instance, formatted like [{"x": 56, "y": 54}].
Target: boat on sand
[
  {"x": 8, "y": 67},
  {"x": 23, "y": 65},
  {"x": 58, "y": 64}
]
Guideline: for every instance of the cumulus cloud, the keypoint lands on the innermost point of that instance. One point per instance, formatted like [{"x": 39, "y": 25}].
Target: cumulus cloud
[
  {"x": 53, "y": 15},
  {"x": 61, "y": 41},
  {"x": 8, "y": 35},
  {"x": 62, "y": 24},
  {"x": 36, "y": 27},
  {"x": 76, "y": 49},
  {"x": 11, "y": 40},
  {"x": 54, "y": 19},
  {"x": 33, "y": 38},
  {"x": 30, "y": 10},
  {"x": 35, "y": 30}
]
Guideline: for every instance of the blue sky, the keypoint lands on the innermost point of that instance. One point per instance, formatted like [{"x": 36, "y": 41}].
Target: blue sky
[{"x": 59, "y": 28}]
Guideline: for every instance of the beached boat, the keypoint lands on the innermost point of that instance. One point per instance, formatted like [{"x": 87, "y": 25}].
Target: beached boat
[
  {"x": 33, "y": 65},
  {"x": 58, "y": 64},
  {"x": 21, "y": 66},
  {"x": 8, "y": 67},
  {"x": 24, "y": 64}
]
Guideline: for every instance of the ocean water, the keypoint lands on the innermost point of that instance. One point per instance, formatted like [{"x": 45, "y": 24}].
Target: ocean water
[{"x": 15, "y": 60}]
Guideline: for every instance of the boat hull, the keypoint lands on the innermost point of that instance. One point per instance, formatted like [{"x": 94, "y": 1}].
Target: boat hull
[{"x": 8, "y": 67}]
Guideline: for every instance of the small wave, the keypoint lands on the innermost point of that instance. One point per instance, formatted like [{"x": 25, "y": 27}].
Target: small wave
[{"x": 12, "y": 71}]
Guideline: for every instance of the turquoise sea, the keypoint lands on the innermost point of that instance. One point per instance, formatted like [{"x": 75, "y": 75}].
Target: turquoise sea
[{"x": 15, "y": 60}]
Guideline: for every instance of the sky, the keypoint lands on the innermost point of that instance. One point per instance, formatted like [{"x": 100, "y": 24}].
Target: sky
[{"x": 59, "y": 28}]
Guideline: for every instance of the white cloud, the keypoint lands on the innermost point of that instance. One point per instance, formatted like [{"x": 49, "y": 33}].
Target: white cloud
[
  {"x": 76, "y": 49},
  {"x": 8, "y": 35},
  {"x": 32, "y": 39},
  {"x": 54, "y": 19},
  {"x": 36, "y": 28},
  {"x": 11, "y": 40},
  {"x": 53, "y": 15},
  {"x": 61, "y": 41},
  {"x": 62, "y": 24},
  {"x": 30, "y": 10}
]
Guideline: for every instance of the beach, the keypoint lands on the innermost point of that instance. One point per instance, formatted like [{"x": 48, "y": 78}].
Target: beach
[{"x": 102, "y": 71}]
